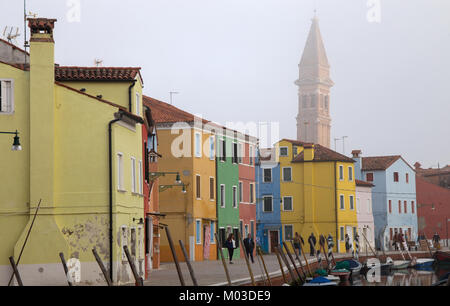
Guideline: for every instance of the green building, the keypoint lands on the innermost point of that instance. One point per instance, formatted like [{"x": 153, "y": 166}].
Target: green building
[{"x": 227, "y": 178}]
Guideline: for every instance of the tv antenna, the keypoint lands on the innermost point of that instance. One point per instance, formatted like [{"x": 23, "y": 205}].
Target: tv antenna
[
  {"x": 25, "y": 17},
  {"x": 171, "y": 95},
  {"x": 11, "y": 36},
  {"x": 98, "y": 62}
]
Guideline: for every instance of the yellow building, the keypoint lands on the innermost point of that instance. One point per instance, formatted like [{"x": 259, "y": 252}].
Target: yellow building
[
  {"x": 81, "y": 159},
  {"x": 317, "y": 192},
  {"x": 187, "y": 145}
]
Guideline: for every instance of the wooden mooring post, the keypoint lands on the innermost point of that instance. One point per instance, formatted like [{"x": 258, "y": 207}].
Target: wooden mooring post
[
  {"x": 304, "y": 257},
  {"x": 174, "y": 254},
  {"x": 66, "y": 270},
  {"x": 15, "y": 271},
  {"x": 259, "y": 252},
  {"x": 139, "y": 280},
  {"x": 102, "y": 267},
  {"x": 219, "y": 246},
  {"x": 298, "y": 258},
  {"x": 292, "y": 260},
  {"x": 188, "y": 263},
  {"x": 246, "y": 260},
  {"x": 281, "y": 264},
  {"x": 283, "y": 256}
]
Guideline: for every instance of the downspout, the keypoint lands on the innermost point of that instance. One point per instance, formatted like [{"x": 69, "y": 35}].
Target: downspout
[
  {"x": 129, "y": 95},
  {"x": 111, "y": 196},
  {"x": 336, "y": 209}
]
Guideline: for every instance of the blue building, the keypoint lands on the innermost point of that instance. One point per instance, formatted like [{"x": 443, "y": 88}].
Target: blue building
[
  {"x": 393, "y": 196},
  {"x": 268, "y": 224}
]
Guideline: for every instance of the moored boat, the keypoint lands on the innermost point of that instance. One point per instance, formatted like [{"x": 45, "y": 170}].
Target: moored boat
[
  {"x": 354, "y": 266},
  {"x": 423, "y": 263},
  {"x": 400, "y": 264},
  {"x": 320, "y": 281},
  {"x": 343, "y": 274},
  {"x": 442, "y": 257}
]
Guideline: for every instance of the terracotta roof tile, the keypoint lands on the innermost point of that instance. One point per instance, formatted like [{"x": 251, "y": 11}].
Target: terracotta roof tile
[
  {"x": 322, "y": 153},
  {"x": 363, "y": 183},
  {"x": 66, "y": 73},
  {"x": 295, "y": 142},
  {"x": 378, "y": 162},
  {"x": 165, "y": 113}
]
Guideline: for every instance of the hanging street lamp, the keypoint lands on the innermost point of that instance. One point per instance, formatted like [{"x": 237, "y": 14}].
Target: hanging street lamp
[{"x": 16, "y": 144}]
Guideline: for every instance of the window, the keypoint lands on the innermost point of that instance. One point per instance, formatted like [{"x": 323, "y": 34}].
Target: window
[
  {"x": 138, "y": 104},
  {"x": 223, "y": 151},
  {"x": 395, "y": 176},
  {"x": 405, "y": 206},
  {"x": 267, "y": 175},
  {"x": 369, "y": 206},
  {"x": 369, "y": 177},
  {"x": 120, "y": 171},
  {"x": 252, "y": 196},
  {"x": 198, "y": 150},
  {"x": 235, "y": 153},
  {"x": 352, "y": 206},
  {"x": 294, "y": 150},
  {"x": 350, "y": 173},
  {"x": 407, "y": 178},
  {"x": 342, "y": 233},
  {"x": 241, "y": 153},
  {"x": 240, "y": 191},
  {"x": 288, "y": 232},
  {"x": 124, "y": 241},
  {"x": 358, "y": 205},
  {"x": 287, "y": 204},
  {"x": 222, "y": 236},
  {"x": 390, "y": 206},
  {"x": 236, "y": 236},
  {"x": 213, "y": 231},
  {"x": 342, "y": 201},
  {"x": 211, "y": 188},
  {"x": 133, "y": 175},
  {"x": 197, "y": 185},
  {"x": 267, "y": 204},
  {"x": 341, "y": 173},
  {"x": 234, "y": 197},
  {"x": 140, "y": 178},
  {"x": 412, "y": 207},
  {"x": 283, "y": 151},
  {"x": 198, "y": 231},
  {"x": 287, "y": 174},
  {"x": 250, "y": 155},
  {"x": 399, "y": 206},
  {"x": 6, "y": 96},
  {"x": 211, "y": 148},
  {"x": 222, "y": 196}
]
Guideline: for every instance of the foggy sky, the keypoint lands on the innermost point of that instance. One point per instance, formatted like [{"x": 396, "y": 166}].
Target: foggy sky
[{"x": 237, "y": 60}]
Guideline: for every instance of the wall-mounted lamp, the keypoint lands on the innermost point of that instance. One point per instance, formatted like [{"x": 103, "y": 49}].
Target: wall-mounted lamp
[
  {"x": 154, "y": 175},
  {"x": 16, "y": 144},
  {"x": 141, "y": 221}
]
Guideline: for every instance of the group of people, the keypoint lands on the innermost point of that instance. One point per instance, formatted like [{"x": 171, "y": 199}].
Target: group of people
[
  {"x": 249, "y": 246},
  {"x": 398, "y": 240}
]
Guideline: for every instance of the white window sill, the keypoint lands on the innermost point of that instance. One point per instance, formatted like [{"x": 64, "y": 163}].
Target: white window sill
[{"x": 121, "y": 190}]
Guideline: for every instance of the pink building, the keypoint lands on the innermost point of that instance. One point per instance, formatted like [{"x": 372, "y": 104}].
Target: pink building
[
  {"x": 364, "y": 215},
  {"x": 247, "y": 186}
]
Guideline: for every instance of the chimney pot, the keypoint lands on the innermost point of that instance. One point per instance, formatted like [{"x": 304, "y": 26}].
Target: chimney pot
[{"x": 356, "y": 153}]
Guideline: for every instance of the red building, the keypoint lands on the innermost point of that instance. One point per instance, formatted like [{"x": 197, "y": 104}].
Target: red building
[
  {"x": 151, "y": 201},
  {"x": 247, "y": 187},
  {"x": 433, "y": 209}
]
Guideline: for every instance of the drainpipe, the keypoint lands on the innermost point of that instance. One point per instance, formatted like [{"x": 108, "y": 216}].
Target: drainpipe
[
  {"x": 336, "y": 209},
  {"x": 111, "y": 257},
  {"x": 129, "y": 95}
]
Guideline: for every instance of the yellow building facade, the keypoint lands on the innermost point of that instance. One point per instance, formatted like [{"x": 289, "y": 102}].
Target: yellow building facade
[
  {"x": 185, "y": 145},
  {"x": 317, "y": 190},
  {"x": 86, "y": 179}
]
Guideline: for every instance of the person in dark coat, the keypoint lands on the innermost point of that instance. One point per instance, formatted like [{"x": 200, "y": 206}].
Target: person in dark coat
[
  {"x": 347, "y": 243},
  {"x": 249, "y": 245},
  {"x": 312, "y": 243},
  {"x": 230, "y": 244},
  {"x": 395, "y": 239}
]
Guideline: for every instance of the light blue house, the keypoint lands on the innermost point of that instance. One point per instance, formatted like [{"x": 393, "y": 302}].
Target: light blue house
[
  {"x": 268, "y": 224},
  {"x": 393, "y": 196}
]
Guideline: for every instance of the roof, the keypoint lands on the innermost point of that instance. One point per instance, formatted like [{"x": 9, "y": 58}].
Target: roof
[
  {"x": 363, "y": 184},
  {"x": 163, "y": 112},
  {"x": 75, "y": 73},
  {"x": 378, "y": 162},
  {"x": 294, "y": 142},
  {"x": 14, "y": 46},
  {"x": 321, "y": 154},
  {"x": 314, "y": 52}
]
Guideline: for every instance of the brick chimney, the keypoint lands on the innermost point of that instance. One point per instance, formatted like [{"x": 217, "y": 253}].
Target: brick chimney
[
  {"x": 308, "y": 151},
  {"x": 357, "y": 157},
  {"x": 42, "y": 110}
]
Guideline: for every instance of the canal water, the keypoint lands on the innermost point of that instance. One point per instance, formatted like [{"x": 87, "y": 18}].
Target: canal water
[{"x": 407, "y": 277}]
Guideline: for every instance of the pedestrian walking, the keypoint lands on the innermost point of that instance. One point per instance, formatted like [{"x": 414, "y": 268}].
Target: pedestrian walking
[
  {"x": 230, "y": 244},
  {"x": 312, "y": 243},
  {"x": 249, "y": 246},
  {"x": 436, "y": 241},
  {"x": 395, "y": 240},
  {"x": 298, "y": 244},
  {"x": 347, "y": 243}
]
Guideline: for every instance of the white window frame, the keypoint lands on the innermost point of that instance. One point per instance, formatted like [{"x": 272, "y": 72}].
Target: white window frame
[
  {"x": 214, "y": 187},
  {"x": 141, "y": 191},
  {"x": 133, "y": 175},
  {"x": 284, "y": 168},
  {"x": 263, "y": 176},
  {"x": 342, "y": 202},
  {"x": 235, "y": 197},
  {"x": 287, "y": 152},
  {"x": 251, "y": 200},
  {"x": 263, "y": 204},
  {"x": 369, "y": 206},
  {"x": 198, "y": 186},
  {"x": 198, "y": 235},
  {"x": 212, "y": 148},
  {"x": 341, "y": 171},
  {"x": 198, "y": 144},
  {"x": 138, "y": 100},
  {"x": 351, "y": 202},
  {"x": 120, "y": 176},
  {"x": 292, "y": 203},
  {"x": 342, "y": 233},
  {"x": 358, "y": 205},
  {"x": 241, "y": 152},
  {"x": 350, "y": 173},
  {"x": 284, "y": 231},
  {"x": 222, "y": 198},
  {"x": 8, "y": 94},
  {"x": 241, "y": 192}
]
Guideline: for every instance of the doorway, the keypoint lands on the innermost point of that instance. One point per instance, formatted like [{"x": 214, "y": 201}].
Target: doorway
[{"x": 273, "y": 240}]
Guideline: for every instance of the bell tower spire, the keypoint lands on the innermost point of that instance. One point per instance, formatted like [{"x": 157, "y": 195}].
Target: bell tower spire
[{"x": 314, "y": 85}]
